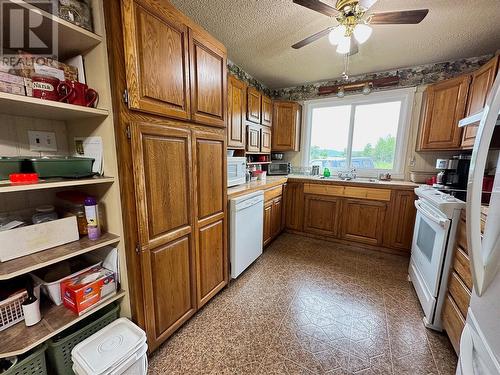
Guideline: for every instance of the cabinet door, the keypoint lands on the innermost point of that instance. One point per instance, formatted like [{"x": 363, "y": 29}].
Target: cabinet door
[
  {"x": 277, "y": 216},
  {"x": 286, "y": 126},
  {"x": 444, "y": 106},
  {"x": 237, "y": 111},
  {"x": 294, "y": 206},
  {"x": 268, "y": 222},
  {"x": 363, "y": 221},
  {"x": 266, "y": 111},
  {"x": 482, "y": 81},
  {"x": 165, "y": 222},
  {"x": 253, "y": 138},
  {"x": 253, "y": 105},
  {"x": 265, "y": 140},
  {"x": 210, "y": 187},
  {"x": 156, "y": 59},
  {"x": 208, "y": 80},
  {"x": 321, "y": 215},
  {"x": 402, "y": 220}
]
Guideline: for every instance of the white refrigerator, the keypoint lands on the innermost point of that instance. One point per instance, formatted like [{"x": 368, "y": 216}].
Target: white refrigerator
[{"x": 480, "y": 341}]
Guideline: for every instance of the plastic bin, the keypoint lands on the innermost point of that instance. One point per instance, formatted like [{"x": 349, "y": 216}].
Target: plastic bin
[
  {"x": 33, "y": 364},
  {"x": 120, "y": 348},
  {"x": 62, "y": 166},
  {"x": 60, "y": 347},
  {"x": 52, "y": 289}
]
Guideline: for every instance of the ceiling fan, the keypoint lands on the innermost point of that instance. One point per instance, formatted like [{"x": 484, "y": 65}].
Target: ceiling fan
[{"x": 353, "y": 22}]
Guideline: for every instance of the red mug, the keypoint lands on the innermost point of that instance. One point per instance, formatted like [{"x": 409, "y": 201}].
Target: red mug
[
  {"x": 50, "y": 88},
  {"x": 82, "y": 95}
]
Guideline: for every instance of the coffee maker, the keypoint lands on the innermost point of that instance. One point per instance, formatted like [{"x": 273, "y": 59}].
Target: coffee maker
[{"x": 453, "y": 175}]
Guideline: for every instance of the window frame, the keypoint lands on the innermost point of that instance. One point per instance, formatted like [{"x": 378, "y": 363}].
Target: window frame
[{"x": 404, "y": 95}]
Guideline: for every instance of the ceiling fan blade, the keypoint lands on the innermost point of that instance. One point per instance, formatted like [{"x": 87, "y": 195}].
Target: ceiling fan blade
[
  {"x": 401, "y": 17},
  {"x": 312, "y": 38},
  {"x": 318, "y": 6},
  {"x": 367, "y": 4}
]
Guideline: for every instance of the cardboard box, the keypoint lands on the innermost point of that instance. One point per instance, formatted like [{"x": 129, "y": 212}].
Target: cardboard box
[
  {"x": 12, "y": 88},
  {"x": 82, "y": 292},
  {"x": 18, "y": 242}
]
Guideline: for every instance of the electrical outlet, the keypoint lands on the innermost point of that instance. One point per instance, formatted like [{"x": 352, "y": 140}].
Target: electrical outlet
[{"x": 42, "y": 141}]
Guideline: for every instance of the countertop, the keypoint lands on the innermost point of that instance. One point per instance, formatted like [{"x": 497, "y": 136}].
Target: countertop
[
  {"x": 366, "y": 182},
  {"x": 250, "y": 187},
  {"x": 272, "y": 181}
]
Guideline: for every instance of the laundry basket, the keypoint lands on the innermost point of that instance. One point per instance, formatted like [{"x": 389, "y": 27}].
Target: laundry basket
[
  {"x": 60, "y": 347},
  {"x": 33, "y": 364}
]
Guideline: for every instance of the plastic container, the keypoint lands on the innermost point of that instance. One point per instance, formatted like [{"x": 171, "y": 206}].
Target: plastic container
[
  {"x": 10, "y": 165},
  {"x": 59, "y": 348},
  {"x": 44, "y": 214},
  {"x": 52, "y": 288},
  {"x": 33, "y": 364},
  {"x": 62, "y": 166},
  {"x": 119, "y": 348}
]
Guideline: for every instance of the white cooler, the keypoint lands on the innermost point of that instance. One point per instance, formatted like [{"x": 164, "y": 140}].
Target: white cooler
[{"x": 119, "y": 348}]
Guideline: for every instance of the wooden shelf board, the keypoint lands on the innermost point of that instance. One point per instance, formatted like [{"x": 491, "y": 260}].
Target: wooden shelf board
[
  {"x": 72, "y": 40},
  {"x": 18, "y": 339},
  {"x": 27, "y": 106},
  {"x": 258, "y": 162},
  {"x": 28, "y": 263},
  {"x": 7, "y": 187}
]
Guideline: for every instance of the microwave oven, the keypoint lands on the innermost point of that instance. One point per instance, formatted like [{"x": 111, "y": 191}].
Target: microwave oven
[
  {"x": 236, "y": 171},
  {"x": 278, "y": 169}
]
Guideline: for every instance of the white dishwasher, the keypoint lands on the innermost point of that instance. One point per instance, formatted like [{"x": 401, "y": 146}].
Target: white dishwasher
[{"x": 246, "y": 226}]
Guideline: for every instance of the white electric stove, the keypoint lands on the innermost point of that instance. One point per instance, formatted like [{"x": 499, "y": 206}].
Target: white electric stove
[{"x": 436, "y": 224}]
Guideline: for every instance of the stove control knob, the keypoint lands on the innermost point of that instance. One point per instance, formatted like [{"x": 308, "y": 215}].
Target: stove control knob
[{"x": 450, "y": 198}]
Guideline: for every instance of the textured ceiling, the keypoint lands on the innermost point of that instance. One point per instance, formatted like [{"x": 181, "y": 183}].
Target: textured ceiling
[{"x": 258, "y": 35}]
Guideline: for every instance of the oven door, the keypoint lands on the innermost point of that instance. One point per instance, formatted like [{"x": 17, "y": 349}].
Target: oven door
[{"x": 429, "y": 244}]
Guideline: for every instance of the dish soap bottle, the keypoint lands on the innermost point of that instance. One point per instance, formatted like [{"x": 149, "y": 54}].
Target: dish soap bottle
[{"x": 326, "y": 172}]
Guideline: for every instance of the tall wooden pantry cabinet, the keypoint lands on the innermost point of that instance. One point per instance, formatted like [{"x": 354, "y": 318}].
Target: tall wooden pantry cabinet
[{"x": 169, "y": 86}]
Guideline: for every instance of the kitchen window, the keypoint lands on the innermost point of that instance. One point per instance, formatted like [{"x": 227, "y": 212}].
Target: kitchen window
[{"x": 368, "y": 133}]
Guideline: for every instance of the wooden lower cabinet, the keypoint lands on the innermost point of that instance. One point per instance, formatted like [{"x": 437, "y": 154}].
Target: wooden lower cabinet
[
  {"x": 273, "y": 214},
  {"x": 268, "y": 222},
  {"x": 363, "y": 220},
  {"x": 321, "y": 215},
  {"x": 399, "y": 232},
  {"x": 453, "y": 322},
  {"x": 294, "y": 206},
  {"x": 181, "y": 218}
]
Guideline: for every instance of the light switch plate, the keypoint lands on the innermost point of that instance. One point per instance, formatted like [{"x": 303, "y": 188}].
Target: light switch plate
[{"x": 42, "y": 141}]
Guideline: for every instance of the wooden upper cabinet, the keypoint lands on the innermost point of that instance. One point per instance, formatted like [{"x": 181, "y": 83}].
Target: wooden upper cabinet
[
  {"x": 208, "y": 80},
  {"x": 156, "y": 60},
  {"x": 444, "y": 105},
  {"x": 210, "y": 187},
  {"x": 266, "y": 111},
  {"x": 237, "y": 111},
  {"x": 166, "y": 237},
  {"x": 253, "y": 105},
  {"x": 265, "y": 139},
  {"x": 482, "y": 81},
  {"x": 253, "y": 138},
  {"x": 287, "y": 117}
]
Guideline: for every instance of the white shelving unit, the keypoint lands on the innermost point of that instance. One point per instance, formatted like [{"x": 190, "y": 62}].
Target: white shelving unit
[{"x": 70, "y": 121}]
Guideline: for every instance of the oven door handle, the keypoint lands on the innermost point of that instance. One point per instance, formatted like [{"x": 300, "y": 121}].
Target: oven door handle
[{"x": 444, "y": 223}]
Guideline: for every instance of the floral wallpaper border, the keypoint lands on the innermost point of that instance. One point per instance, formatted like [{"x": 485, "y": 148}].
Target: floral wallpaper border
[
  {"x": 239, "y": 73},
  {"x": 412, "y": 76}
]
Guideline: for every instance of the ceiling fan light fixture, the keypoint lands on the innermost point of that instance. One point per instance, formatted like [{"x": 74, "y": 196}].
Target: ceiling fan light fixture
[
  {"x": 366, "y": 89},
  {"x": 344, "y": 46},
  {"x": 362, "y": 32},
  {"x": 337, "y": 34}
]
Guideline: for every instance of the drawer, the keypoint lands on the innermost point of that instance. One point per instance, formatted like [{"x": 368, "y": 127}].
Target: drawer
[
  {"x": 367, "y": 193},
  {"x": 461, "y": 265},
  {"x": 273, "y": 193},
  {"x": 319, "y": 189},
  {"x": 453, "y": 322},
  {"x": 459, "y": 292},
  {"x": 462, "y": 236}
]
